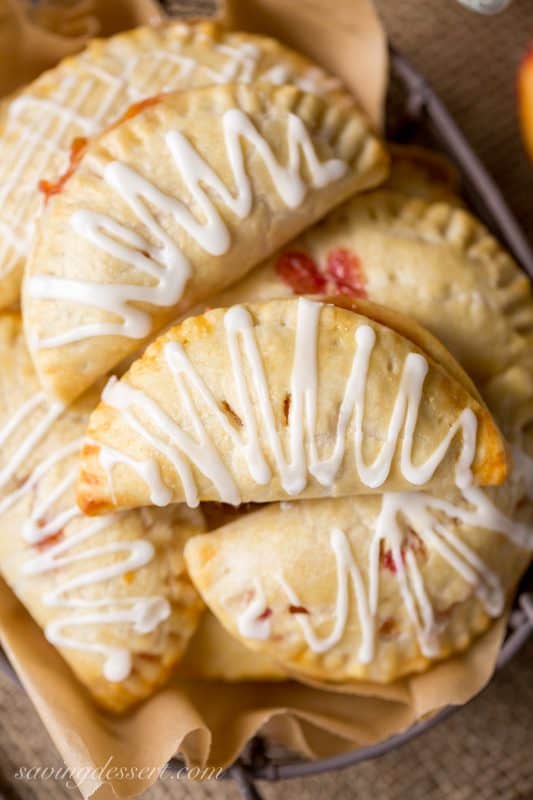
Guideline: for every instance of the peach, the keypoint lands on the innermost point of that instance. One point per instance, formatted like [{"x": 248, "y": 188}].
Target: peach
[{"x": 525, "y": 99}]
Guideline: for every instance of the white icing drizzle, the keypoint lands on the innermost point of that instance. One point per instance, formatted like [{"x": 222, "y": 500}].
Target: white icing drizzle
[
  {"x": 42, "y": 147},
  {"x": 203, "y": 453},
  {"x": 346, "y": 569},
  {"x": 254, "y": 622},
  {"x": 258, "y": 419},
  {"x": 401, "y": 512},
  {"x": 148, "y": 470},
  {"x": 34, "y": 435},
  {"x": 165, "y": 263},
  {"x": 240, "y": 64},
  {"x": 144, "y": 614}
]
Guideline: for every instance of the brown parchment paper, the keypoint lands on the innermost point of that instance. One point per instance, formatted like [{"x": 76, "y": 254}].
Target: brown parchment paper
[
  {"x": 209, "y": 722},
  {"x": 32, "y": 40},
  {"x": 344, "y": 37}
]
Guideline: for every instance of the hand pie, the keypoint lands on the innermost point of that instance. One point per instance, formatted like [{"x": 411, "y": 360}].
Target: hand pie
[
  {"x": 429, "y": 261},
  {"x": 175, "y": 203},
  {"x": 283, "y": 399},
  {"x": 111, "y": 594},
  {"x": 86, "y": 92},
  {"x": 368, "y": 587},
  {"x": 214, "y": 655}
]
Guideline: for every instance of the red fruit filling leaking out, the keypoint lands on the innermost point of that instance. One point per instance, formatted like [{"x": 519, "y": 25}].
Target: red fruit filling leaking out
[
  {"x": 387, "y": 561},
  {"x": 344, "y": 268},
  {"x": 77, "y": 150},
  {"x": 299, "y": 271},
  {"x": 342, "y": 274}
]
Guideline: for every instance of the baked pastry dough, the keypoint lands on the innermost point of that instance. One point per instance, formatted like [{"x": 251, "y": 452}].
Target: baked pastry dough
[
  {"x": 86, "y": 92},
  {"x": 418, "y": 172},
  {"x": 214, "y": 655},
  {"x": 510, "y": 396},
  {"x": 175, "y": 203},
  {"x": 111, "y": 594},
  {"x": 427, "y": 260},
  {"x": 368, "y": 587},
  {"x": 286, "y": 398}
]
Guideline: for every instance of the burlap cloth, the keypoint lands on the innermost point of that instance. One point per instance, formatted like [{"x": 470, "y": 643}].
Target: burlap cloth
[{"x": 486, "y": 750}]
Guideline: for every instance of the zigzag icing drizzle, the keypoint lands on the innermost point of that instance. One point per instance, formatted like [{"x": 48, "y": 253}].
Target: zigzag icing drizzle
[
  {"x": 182, "y": 450},
  {"x": 165, "y": 262},
  {"x": 43, "y": 147},
  {"x": 144, "y": 614},
  {"x": 417, "y": 509},
  {"x": 418, "y": 512},
  {"x": 52, "y": 412}
]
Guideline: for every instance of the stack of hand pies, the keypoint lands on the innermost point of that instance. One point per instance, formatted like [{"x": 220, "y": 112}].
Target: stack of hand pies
[{"x": 258, "y": 417}]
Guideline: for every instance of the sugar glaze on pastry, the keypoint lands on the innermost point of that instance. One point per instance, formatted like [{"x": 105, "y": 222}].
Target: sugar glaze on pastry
[
  {"x": 86, "y": 92},
  {"x": 419, "y": 511},
  {"x": 188, "y": 437},
  {"x": 104, "y": 590},
  {"x": 166, "y": 263},
  {"x": 53, "y": 411},
  {"x": 177, "y": 201},
  {"x": 389, "y": 583},
  {"x": 428, "y": 260},
  {"x": 144, "y": 614},
  {"x": 301, "y": 423}
]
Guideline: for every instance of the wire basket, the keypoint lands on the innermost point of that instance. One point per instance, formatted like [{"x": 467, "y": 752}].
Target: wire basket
[{"x": 415, "y": 115}]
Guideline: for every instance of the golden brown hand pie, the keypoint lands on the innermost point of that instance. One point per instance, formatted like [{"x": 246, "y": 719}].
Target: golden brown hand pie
[
  {"x": 86, "y": 92},
  {"x": 427, "y": 260},
  {"x": 286, "y": 398},
  {"x": 111, "y": 594},
  {"x": 368, "y": 587},
  {"x": 172, "y": 205}
]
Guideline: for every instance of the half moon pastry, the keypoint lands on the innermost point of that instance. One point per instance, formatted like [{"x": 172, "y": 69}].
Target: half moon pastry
[
  {"x": 290, "y": 398},
  {"x": 111, "y": 594},
  {"x": 371, "y": 587},
  {"x": 173, "y": 204},
  {"x": 86, "y": 92},
  {"x": 430, "y": 261}
]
